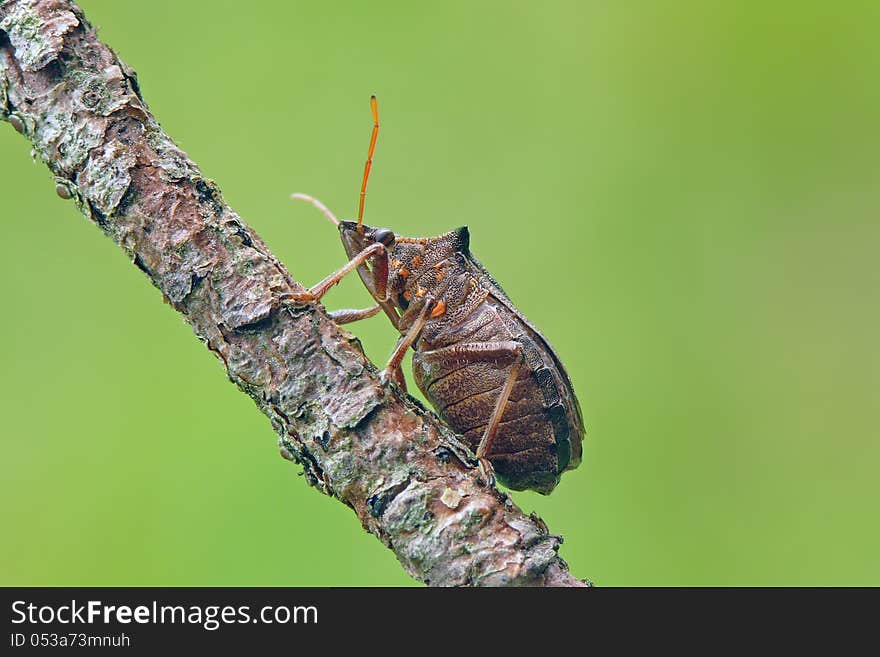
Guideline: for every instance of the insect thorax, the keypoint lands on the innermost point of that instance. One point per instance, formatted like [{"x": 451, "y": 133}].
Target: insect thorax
[{"x": 436, "y": 266}]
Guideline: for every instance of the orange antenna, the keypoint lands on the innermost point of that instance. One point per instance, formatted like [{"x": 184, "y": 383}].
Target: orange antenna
[{"x": 369, "y": 164}]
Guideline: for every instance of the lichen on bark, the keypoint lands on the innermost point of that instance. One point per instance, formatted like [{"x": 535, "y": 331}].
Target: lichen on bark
[
  {"x": 37, "y": 36},
  {"x": 409, "y": 479}
]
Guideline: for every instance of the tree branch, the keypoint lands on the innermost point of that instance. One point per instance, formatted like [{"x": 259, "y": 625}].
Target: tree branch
[{"x": 410, "y": 481}]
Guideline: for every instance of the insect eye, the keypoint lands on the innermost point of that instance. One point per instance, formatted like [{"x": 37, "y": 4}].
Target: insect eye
[{"x": 383, "y": 235}]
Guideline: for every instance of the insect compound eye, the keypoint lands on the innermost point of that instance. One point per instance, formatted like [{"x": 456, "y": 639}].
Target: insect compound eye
[{"x": 383, "y": 235}]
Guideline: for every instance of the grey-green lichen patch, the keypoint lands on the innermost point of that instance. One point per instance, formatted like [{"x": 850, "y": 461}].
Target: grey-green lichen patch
[
  {"x": 36, "y": 30},
  {"x": 107, "y": 175},
  {"x": 177, "y": 282},
  {"x": 469, "y": 519},
  {"x": 383, "y": 491},
  {"x": 67, "y": 138},
  {"x": 4, "y": 97},
  {"x": 342, "y": 468},
  {"x": 419, "y": 539},
  {"x": 102, "y": 93},
  {"x": 540, "y": 556},
  {"x": 173, "y": 163},
  {"x": 408, "y": 511}
]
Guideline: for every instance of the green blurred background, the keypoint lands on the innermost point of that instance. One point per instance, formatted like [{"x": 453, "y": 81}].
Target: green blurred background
[{"x": 682, "y": 195}]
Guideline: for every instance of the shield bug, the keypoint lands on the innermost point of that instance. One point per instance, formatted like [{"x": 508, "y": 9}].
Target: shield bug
[{"x": 484, "y": 367}]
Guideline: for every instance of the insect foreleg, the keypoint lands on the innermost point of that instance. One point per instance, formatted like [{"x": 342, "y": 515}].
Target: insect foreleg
[
  {"x": 503, "y": 350},
  {"x": 348, "y": 315},
  {"x": 380, "y": 275}
]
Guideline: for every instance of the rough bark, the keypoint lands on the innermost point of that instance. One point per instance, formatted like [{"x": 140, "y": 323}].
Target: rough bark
[{"x": 410, "y": 481}]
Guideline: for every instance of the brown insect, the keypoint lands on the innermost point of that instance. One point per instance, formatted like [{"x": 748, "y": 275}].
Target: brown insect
[{"x": 487, "y": 370}]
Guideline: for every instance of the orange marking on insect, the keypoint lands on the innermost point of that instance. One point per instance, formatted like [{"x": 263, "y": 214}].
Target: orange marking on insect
[
  {"x": 438, "y": 276},
  {"x": 417, "y": 261},
  {"x": 407, "y": 295},
  {"x": 395, "y": 264},
  {"x": 420, "y": 292},
  {"x": 404, "y": 272},
  {"x": 439, "y": 309}
]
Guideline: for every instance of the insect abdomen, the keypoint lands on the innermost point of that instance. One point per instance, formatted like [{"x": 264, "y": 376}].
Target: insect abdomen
[{"x": 532, "y": 444}]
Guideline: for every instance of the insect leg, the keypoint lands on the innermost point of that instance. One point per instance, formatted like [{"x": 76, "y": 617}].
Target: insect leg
[
  {"x": 392, "y": 369},
  {"x": 503, "y": 350},
  {"x": 348, "y": 315},
  {"x": 376, "y": 250},
  {"x": 485, "y": 445}
]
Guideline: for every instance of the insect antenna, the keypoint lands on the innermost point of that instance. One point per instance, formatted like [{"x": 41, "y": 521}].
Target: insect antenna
[
  {"x": 323, "y": 208},
  {"x": 375, "y": 107}
]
